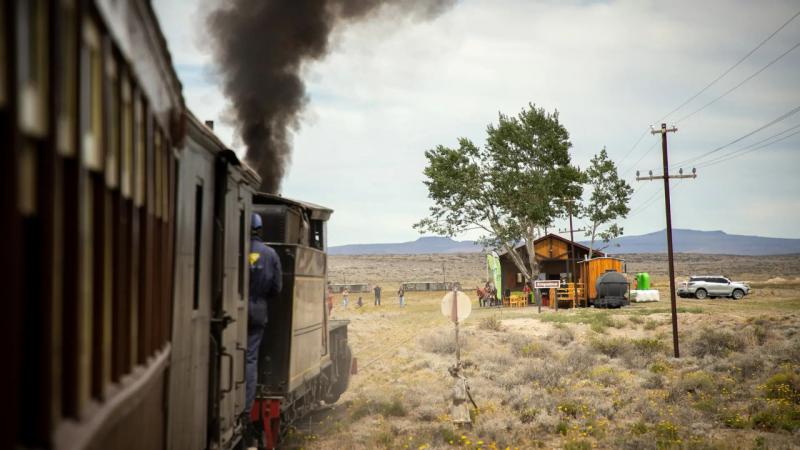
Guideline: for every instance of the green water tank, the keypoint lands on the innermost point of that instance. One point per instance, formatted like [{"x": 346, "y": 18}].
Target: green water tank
[{"x": 642, "y": 281}]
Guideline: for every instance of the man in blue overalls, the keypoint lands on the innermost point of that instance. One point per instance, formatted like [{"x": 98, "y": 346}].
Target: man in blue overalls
[{"x": 265, "y": 284}]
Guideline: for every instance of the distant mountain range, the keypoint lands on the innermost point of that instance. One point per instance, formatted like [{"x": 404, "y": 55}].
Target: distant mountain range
[
  {"x": 685, "y": 241},
  {"x": 427, "y": 244},
  {"x": 712, "y": 242}
]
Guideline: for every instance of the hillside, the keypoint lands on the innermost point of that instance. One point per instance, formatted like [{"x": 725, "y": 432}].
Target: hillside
[
  {"x": 685, "y": 241},
  {"x": 708, "y": 242},
  {"x": 427, "y": 244}
]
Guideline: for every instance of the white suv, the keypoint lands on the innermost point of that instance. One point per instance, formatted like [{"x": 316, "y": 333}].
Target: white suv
[{"x": 705, "y": 286}]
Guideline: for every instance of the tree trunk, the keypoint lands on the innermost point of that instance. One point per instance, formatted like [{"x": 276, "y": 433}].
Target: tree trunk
[{"x": 591, "y": 244}]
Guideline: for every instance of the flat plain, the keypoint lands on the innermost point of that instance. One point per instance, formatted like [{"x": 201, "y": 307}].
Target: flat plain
[{"x": 574, "y": 379}]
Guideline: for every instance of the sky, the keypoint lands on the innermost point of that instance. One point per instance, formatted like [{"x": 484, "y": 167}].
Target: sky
[{"x": 392, "y": 88}]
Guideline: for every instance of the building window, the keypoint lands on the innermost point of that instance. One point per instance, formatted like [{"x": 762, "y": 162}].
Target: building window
[
  {"x": 198, "y": 241},
  {"x": 32, "y": 38},
  {"x": 91, "y": 97}
]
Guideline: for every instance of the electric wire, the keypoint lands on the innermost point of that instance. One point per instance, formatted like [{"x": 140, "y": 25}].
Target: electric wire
[
  {"x": 753, "y": 75},
  {"x": 713, "y": 82},
  {"x": 735, "y": 155},
  {"x": 739, "y": 139},
  {"x": 747, "y": 147},
  {"x": 729, "y": 69}
]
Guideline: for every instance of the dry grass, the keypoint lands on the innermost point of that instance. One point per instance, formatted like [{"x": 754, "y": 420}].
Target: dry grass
[{"x": 575, "y": 379}]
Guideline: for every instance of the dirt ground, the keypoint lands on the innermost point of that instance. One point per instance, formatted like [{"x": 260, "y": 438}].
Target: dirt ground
[{"x": 574, "y": 379}]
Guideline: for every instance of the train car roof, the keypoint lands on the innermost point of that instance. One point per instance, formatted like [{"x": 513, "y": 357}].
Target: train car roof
[
  {"x": 317, "y": 212},
  {"x": 199, "y": 130}
]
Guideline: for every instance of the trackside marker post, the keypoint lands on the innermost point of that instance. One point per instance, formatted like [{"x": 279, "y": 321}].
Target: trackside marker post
[{"x": 456, "y": 306}]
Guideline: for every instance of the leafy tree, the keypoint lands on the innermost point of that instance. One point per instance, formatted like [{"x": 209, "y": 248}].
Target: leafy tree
[
  {"x": 609, "y": 200},
  {"x": 511, "y": 188}
]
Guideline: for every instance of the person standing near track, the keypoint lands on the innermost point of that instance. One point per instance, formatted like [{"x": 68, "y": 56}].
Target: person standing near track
[
  {"x": 345, "y": 297},
  {"x": 377, "y": 291},
  {"x": 401, "y": 294}
]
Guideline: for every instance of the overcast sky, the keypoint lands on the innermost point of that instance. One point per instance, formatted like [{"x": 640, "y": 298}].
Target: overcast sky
[{"x": 392, "y": 88}]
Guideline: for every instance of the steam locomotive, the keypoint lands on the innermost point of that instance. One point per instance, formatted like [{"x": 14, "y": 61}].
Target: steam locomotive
[{"x": 126, "y": 225}]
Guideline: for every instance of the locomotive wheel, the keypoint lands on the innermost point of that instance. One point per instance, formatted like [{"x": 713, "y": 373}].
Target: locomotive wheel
[{"x": 343, "y": 361}]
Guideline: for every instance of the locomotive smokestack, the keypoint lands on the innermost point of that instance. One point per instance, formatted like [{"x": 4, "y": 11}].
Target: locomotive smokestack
[{"x": 260, "y": 46}]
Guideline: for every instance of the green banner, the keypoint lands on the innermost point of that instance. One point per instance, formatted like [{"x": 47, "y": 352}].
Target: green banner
[{"x": 493, "y": 272}]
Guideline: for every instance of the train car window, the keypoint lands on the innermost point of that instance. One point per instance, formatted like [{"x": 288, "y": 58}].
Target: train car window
[
  {"x": 85, "y": 313},
  {"x": 67, "y": 57},
  {"x": 157, "y": 175},
  {"x": 126, "y": 160},
  {"x": 113, "y": 114},
  {"x": 32, "y": 39},
  {"x": 198, "y": 241},
  {"x": 165, "y": 183},
  {"x": 242, "y": 252},
  {"x": 317, "y": 234},
  {"x": 91, "y": 97},
  {"x": 3, "y": 56},
  {"x": 26, "y": 195},
  {"x": 139, "y": 153}
]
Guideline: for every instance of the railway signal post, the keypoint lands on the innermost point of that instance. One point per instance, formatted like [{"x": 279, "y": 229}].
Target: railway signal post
[{"x": 666, "y": 177}]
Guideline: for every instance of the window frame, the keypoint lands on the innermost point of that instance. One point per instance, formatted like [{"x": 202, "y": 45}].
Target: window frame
[
  {"x": 91, "y": 101},
  {"x": 32, "y": 66}
]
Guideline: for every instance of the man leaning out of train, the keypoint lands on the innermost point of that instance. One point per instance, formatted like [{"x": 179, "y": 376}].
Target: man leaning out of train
[{"x": 265, "y": 284}]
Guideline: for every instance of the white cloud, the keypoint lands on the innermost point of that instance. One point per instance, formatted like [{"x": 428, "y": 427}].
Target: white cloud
[{"x": 392, "y": 88}]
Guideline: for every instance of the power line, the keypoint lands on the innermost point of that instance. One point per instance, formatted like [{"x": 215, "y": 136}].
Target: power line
[
  {"x": 633, "y": 166},
  {"x": 734, "y": 155},
  {"x": 747, "y": 147},
  {"x": 713, "y": 82},
  {"x": 644, "y": 133},
  {"x": 738, "y": 85},
  {"x": 741, "y": 60},
  {"x": 767, "y": 125}
]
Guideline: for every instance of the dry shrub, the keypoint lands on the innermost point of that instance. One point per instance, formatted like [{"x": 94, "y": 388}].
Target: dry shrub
[
  {"x": 696, "y": 382},
  {"x": 531, "y": 349},
  {"x": 640, "y": 352},
  {"x": 547, "y": 373},
  {"x": 490, "y": 323},
  {"x": 715, "y": 342},
  {"x": 651, "y": 324},
  {"x": 611, "y": 347},
  {"x": 561, "y": 335},
  {"x": 606, "y": 375},
  {"x": 636, "y": 320},
  {"x": 786, "y": 351},
  {"x": 442, "y": 342},
  {"x": 745, "y": 366},
  {"x": 653, "y": 381},
  {"x": 580, "y": 359}
]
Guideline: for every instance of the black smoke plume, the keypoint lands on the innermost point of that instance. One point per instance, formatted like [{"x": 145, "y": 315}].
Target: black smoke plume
[{"x": 260, "y": 47}]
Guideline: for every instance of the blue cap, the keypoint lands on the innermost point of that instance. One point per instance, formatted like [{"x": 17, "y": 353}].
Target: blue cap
[{"x": 255, "y": 222}]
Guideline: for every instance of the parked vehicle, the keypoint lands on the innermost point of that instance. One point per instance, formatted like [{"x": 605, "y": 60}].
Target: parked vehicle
[{"x": 705, "y": 286}]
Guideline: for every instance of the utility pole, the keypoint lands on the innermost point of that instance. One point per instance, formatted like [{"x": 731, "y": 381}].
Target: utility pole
[
  {"x": 666, "y": 177},
  {"x": 572, "y": 252}
]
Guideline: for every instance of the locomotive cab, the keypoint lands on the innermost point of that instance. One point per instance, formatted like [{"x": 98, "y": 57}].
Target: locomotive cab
[{"x": 304, "y": 357}]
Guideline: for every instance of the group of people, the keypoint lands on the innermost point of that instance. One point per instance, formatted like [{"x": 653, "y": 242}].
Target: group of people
[
  {"x": 487, "y": 296},
  {"x": 401, "y": 295}
]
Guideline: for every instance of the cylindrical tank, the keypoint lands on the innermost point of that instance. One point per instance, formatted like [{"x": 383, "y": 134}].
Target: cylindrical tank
[
  {"x": 643, "y": 281},
  {"x": 611, "y": 289}
]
